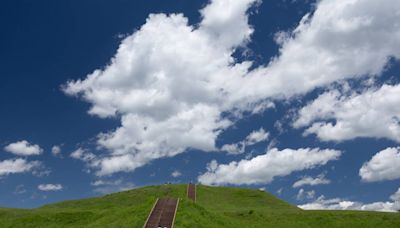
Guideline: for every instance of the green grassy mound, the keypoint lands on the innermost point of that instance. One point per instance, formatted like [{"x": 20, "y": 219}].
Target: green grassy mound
[{"x": 215, "y": 207}]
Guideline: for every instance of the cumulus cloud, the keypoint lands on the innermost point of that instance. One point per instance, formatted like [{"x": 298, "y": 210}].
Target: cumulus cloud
[
  {"x": 396, "y": 195},
  {"x": 165, "y": 78},
  {"x": 383, "y": 166},
  {"x": 372, "y": 113},
  {"x": 170, "y": 81},
  {"x": 234, "y": 148},
  {"x": 302, "y": 194},
  {"x": 23, "y": 148},
  {"x": 226, "y": 22},
  {"x": 82, "y": 154},
  {"x": 256, "y": 137},
  {"x": 396, "y": 199},
  {"x": 307, "y": 180},
  {"x": 253, "y": 138},
  {"x": 263, "y": 168},
  {"x": 321, "y": 203},
  {"x": 17, "y": 166},
  {"x": 340, "y": 40},
  {"x": 110, "y": 186},
  {"x": 56, "y": 151},
  {"x": 176, "y": 174},
  {"x": 50, "y": 187}
]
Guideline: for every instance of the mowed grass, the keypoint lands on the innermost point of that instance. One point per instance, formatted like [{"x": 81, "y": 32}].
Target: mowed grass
[
  {"x": 123, "y": 209},
  {"x": 236, "y": 207},
  {"x": 215, "y": 207}
]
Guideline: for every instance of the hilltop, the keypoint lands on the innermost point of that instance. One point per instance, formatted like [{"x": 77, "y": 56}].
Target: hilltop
[{"x": 215, "y": 207}]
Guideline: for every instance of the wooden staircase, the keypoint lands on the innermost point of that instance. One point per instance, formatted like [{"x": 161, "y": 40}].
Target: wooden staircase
[
  {"x": 191, "y": 192},
  {"x": 162, "y": 214}
]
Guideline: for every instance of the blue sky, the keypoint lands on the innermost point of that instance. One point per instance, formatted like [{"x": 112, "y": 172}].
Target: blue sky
[{"x": 102, "y": 96}]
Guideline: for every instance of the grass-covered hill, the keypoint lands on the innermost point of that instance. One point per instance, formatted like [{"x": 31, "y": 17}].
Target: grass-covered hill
[{"x": 215, "y": 207}]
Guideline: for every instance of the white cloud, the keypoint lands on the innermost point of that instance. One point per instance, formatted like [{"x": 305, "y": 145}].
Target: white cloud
[
  {"x": 165, "y": 78},
  {"x": 373, "y": 113},
  {"x": 256, "y": 137},
  {"x": 396, "y": 195},
  {"x": 263, "y": 168},
  {"x": 306, "y": 180},
  {"x": 82, "y": 154},
  {"x": 253, "y": 138},
  {"x": 98, "y": 183},
  {"x": 169, "y": 81},
  {"x": 302, "y": 194},
  {"x": 176, "y": 174},
  {"x": 340, "y": 40},
  {"x": 117, "y": 163},
  {"x": 341, "y": 204},
  {"x": 56, "y": 151},
  {"x": 226, "y": 21},
  {"x": 23, "y": 148},
  {"x": 385, "y": 165},
  {"x": 17, "y": 166},
  {"x": 110, "y": 186},
  {"x": 234, "y": 148},
  {"x": 50, "y": 187},
  {"x": 396, "y": 199}
]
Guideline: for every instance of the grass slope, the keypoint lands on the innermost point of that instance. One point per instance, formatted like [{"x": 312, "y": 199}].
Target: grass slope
[{"x": 215, "y": 207}]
